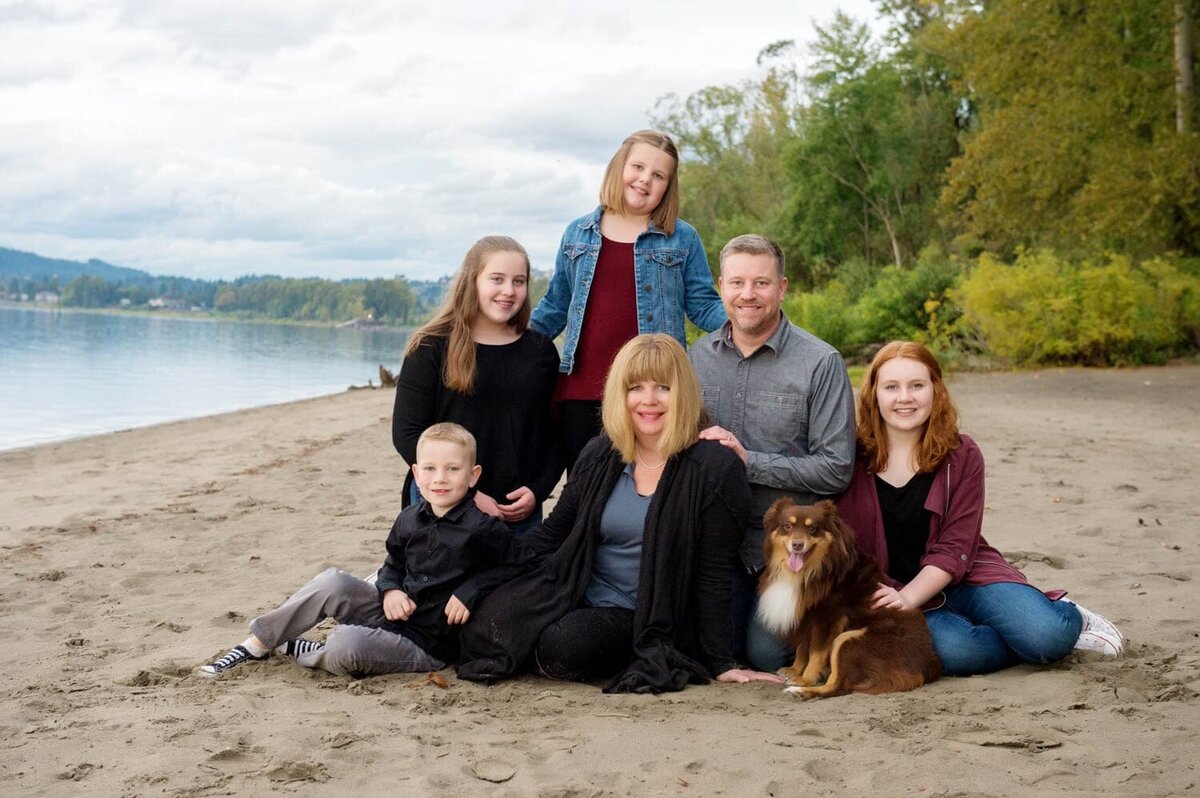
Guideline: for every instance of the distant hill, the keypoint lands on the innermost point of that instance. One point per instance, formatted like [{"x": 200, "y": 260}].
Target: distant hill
[
  {"x": 26, "y": 265},
  {"x": 26, "y": 277}
]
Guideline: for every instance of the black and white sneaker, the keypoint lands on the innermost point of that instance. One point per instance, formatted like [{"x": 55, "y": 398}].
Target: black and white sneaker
[
  {"x": 294, "y": 648},
  {"x": 236, "y": 656}
]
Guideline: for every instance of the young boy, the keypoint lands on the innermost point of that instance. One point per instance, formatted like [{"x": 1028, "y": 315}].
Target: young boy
[{"x": 434, "y": 574}]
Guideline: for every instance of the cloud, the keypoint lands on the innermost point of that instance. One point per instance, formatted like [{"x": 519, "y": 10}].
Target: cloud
[{"x": 357, "y": 139}]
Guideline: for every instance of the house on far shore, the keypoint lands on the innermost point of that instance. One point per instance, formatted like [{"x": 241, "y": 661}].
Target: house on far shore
[
  {"x": 162, "y": 302},
  {"x": 46, "y": 298}
]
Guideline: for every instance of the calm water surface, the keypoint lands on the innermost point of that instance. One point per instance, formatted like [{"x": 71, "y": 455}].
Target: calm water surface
[{"x": 63, "y": 375}]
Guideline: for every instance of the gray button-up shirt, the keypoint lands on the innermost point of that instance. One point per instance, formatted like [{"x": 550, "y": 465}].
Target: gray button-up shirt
[{"x": 791, "y": 406}]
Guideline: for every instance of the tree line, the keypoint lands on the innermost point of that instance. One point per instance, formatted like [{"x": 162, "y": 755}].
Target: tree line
[
  {"x": 386, "y": 300},
  {"x": 978, "y": 159}
]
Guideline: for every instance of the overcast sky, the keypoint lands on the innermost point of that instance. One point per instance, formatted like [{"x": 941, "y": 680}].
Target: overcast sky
[{"x": 215, "y": 138}]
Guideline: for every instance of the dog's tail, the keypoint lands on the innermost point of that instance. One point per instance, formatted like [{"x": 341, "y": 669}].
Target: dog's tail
[
  {"x": 855, "y": 670},
  {"x": 837, "y": 671}
]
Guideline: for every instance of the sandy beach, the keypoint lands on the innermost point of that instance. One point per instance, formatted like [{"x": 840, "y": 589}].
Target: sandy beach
[{"x": 131, "y": 558}]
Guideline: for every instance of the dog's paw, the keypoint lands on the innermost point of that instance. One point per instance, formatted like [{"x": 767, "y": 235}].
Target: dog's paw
[
  {"x": 793, "y": 675},
  {"x": 804, "y": 692}
]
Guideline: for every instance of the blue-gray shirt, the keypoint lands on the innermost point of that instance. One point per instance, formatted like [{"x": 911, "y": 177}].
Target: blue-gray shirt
[
  {"x": 618, "y": 557},
  {"x": 791, "y": 406}
]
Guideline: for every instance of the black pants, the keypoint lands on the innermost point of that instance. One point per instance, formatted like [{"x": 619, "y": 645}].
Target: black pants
[
  {"x": 743, "y": 600},
  {"x": 580, "y": 422},
  {"x": 587, "y": 644}
]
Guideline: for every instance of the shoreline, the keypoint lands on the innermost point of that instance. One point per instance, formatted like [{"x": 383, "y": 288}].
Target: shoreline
[
  {"x": 204, "y": 315},
  {"x": 132, "y": 557},
  {"x": 86, "y": 436}
]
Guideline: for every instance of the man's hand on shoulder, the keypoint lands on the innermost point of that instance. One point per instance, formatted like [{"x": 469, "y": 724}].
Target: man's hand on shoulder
[{"x": 726, "y": 439}]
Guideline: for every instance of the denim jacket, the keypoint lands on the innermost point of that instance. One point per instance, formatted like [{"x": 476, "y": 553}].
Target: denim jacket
[{"x": 672, "y": 279}]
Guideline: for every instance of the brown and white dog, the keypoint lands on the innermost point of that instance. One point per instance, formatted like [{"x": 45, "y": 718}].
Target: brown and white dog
[{"x": 816, "y": 592}]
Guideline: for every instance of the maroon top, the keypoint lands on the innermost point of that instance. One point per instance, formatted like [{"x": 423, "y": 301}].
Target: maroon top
[
  {"x": 609, "y": 320},
  {"x": 955, "y": 504}
]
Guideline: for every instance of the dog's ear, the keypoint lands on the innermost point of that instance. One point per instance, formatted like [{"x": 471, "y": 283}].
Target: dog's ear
[
  {"x": 827, "y": 507},
  {"x": 771, "y": 518}
]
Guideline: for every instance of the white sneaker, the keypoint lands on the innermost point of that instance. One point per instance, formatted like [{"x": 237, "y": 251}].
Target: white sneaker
[{"x": 1099, "y": 635}]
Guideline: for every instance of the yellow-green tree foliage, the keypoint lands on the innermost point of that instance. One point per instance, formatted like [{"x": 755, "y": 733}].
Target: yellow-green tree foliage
[
  {"x": 732, "y": 140},
  {"x": 1073, "y": 144},
  {"x": 1043, "y": 309}
]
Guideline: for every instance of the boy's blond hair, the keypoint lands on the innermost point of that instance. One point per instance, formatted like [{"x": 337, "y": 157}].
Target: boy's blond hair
[{"x": 449, "y": 432}]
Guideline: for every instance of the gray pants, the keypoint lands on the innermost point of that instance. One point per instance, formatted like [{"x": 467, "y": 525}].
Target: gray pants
[{"x": 356, "y": 646}]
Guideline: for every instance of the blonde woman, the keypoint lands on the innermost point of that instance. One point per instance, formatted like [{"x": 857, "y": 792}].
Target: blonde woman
[{"x": 630, "y": 581}]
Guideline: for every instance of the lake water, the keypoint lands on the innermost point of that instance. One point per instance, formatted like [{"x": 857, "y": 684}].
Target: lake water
[{"x": 63, "y": 375}]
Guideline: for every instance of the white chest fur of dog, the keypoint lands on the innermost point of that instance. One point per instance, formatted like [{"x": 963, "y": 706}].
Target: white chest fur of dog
[{"x": 777, "y": 606}]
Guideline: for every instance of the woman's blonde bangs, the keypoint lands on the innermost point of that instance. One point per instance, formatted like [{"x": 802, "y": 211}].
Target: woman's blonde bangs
[{"x": 658, "y": 358}]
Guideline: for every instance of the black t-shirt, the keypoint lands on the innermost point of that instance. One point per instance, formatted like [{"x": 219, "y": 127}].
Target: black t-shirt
[{"x": 905, "y": 524}]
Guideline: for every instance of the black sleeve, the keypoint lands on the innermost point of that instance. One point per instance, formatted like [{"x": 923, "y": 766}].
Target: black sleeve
[
  {"x": 499, "y": 559},
  {"x": 544, "y": 539},
  {"x": 552, "y": 463},
  {"x": 392, "y": 572},
  {"x": 725, "y": 516},
  {"x": 417, "y": 389}
]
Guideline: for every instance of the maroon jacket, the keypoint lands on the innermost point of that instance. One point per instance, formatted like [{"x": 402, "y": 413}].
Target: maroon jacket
[{"x": 955, "y": 502}]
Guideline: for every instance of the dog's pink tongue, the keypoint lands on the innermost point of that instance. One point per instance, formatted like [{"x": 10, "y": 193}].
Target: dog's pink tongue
[{"x": 795, "y": 561}]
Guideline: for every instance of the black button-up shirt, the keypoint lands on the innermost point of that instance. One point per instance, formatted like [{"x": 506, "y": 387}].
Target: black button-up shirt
[{"x": 432, "y": 559}]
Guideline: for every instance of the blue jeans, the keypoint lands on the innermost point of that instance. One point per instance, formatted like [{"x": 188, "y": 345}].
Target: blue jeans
[
  {"x": 980, "y": 629},
  {"x": 766, "y": 651},
  {"x": 983, "y": 628}
]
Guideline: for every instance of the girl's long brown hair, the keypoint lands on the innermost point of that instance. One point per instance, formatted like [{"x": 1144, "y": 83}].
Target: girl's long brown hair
[
  {"x": 454, "y": 318},
  {"x": 940, "y": 436}
]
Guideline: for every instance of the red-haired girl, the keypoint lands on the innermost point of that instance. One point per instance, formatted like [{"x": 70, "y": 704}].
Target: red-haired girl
[{"x": 916, "y": 504}]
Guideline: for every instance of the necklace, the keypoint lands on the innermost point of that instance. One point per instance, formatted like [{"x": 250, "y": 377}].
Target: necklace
[{"x": 649, "y": 467}]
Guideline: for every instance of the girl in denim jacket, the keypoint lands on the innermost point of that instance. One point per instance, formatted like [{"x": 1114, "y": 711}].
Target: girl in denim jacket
[{"x": 631, "y": 266}]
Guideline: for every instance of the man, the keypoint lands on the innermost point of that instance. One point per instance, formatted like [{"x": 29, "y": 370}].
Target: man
[{"x": 780, "y": 397}]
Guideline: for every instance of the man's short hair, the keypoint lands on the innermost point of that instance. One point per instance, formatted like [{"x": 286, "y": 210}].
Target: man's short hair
[
  {"x": 449, "y": 432},
  {"x": 754, "y": 244}
]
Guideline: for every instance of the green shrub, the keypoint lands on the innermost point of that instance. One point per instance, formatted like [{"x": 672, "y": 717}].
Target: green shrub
[
  {"x": 826, "y": 313},
  {"x": 1042, "y": 309},
  {"x": 858, "y": 310},
  {"x": 900, "y": 303}
]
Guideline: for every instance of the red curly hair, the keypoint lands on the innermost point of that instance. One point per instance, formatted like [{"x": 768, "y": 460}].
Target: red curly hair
[{"x": 940, "y": 436}]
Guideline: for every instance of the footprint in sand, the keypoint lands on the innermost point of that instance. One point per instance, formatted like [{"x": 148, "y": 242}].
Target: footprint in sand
[
  {"x": 49, "y": 576},
  {"x": 288, "y": 771},
  {"x": 172, "y": 626},
  {"x": 79, "y": 772},
  {"x": 1022, "y": 558}
]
